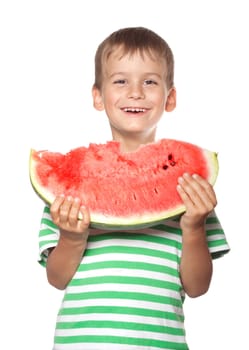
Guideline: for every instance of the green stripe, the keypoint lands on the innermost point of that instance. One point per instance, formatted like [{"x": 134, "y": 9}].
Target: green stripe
[
  {"x": 122, "y": 311},
  {"x": 136, "y": 237},
  {"x": 131, "y": 250},
  {"x": 212, "y": 220},
  {"x": 46, "y": 232},
  {"x": 213, "y": 232},
  {"x": 47, "y": 209},
  {"x": 121, "y": 325},
  {"x": 124, "y": 295},
  {"x": 120, "y": 340},
  {"x": 42, "y": 262},
  {"x": 43, "y": 243},
  {"x": 49, "y": 223},
  {"x": 125, "y": 280},
  {"x": 217, "y": 243},
  {"x": 166, "y": 228},
  {"x": 218, "y": 254},
  {"x": 116, "y": 264}
]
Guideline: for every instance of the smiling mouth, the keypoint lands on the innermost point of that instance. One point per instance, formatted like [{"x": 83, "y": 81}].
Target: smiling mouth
[{"x": 134, "y": 110}]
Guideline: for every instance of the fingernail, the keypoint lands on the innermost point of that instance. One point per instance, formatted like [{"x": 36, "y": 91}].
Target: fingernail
[
  {"x": 178, "y": 187},
  {"x": 186, "y": 175},
  {"x": 180, "y": 179}
]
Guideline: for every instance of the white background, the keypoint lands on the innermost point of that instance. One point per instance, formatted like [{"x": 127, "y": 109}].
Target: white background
[{"x": 46, "y": 74}]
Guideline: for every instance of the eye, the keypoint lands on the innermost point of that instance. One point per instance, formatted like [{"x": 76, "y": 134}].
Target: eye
[
  {"x": 150, "y": 82},
  {"x": 120, "y": 81}
]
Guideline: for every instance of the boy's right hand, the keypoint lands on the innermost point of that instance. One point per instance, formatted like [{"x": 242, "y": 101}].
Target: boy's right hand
[
  {"x": 65, "y": 214},
  {"x": 66, "y": 256}
]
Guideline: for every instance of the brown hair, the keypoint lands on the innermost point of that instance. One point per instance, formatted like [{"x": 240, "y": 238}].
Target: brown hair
[{"x": 134, "y": 39}]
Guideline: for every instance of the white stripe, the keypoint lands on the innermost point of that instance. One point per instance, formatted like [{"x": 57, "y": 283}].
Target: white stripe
[
  {"x": 215, "y": 237},
  {"x": 120, "y": 333},
  {"x": 213, "y": 226},
  {"x": 165, "y": 234},
  {"x": 129, "y": 257},
  {"x": 50, "y": 237},
  {"x": 218, "y": 249},
  {"x": 45, "y": 247},
  {"x": 123, "y": 302},
  {"x": 119, "y": 271},
  {"x": 47, "y": 215},
  {"x": 102, "y": 346},
  {"x": 117, "y": 318},
  {"x": 130, "y": 243},
  {"x": 125, "y": 288}
]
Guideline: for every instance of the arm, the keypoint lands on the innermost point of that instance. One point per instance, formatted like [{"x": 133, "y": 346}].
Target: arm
[
  {"x": 65, "y": 258},
  {"x": 196, "y": 262}
]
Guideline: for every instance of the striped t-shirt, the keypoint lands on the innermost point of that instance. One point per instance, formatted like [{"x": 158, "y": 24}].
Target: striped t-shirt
[{"x": 126, "y": 294}]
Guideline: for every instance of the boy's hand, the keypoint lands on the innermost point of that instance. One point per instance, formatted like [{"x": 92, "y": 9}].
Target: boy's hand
[
  {"x": 199, "y": 198},
  {"x": 65, "y": 212}
]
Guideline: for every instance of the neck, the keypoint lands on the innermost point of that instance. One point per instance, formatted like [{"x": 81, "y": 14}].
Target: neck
[{"x": 130, "y": 143}]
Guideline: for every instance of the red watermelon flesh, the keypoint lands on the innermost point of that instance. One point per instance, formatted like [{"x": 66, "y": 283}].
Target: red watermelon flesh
[{"x": 129, "y": 190}]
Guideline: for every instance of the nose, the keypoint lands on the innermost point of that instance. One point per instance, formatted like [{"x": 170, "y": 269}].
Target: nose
[{"x": 136, "y": 91}]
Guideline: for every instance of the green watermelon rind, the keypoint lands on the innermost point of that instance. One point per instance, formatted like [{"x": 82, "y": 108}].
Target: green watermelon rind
[{"x": 101, "y": 221}]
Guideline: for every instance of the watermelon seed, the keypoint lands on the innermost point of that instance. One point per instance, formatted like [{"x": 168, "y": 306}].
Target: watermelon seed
[
  {"x": 155, "y": 189},
  {"x": 165, "y": 167},
  {"x": 134, "y": 196},
  {"x": 170, "y": 158}
]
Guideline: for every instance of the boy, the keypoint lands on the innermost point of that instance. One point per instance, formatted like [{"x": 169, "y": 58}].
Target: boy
[{"x": 125, "y": 290}]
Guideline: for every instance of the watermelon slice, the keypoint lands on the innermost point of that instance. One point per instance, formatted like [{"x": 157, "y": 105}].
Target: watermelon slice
[{"x": 122, "y": 190}]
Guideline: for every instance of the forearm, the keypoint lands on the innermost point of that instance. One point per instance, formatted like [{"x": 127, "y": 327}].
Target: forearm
[
  {"x": 196, "y": 263},
  {"x": 65, "y": 258}
]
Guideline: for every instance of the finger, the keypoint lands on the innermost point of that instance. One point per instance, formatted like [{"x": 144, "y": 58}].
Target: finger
[
  {"x": 185, "y": 196},
  {"x": 201, "y": 192},
  {"x": 73, "y": 214},
  {"x": 194, "y": 190},
  {"x": 207, "y": 189},
  {"x": 55, "y": 207},
  {"x": 85, "y": 215},
  {"x": 198, "y": 193},
  {"x": 65, "y": 209},
  {"x": 190, "y": 191}
]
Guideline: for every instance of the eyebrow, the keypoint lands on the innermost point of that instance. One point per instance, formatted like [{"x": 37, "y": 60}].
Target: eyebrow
[{"x": 125, "y": 73}]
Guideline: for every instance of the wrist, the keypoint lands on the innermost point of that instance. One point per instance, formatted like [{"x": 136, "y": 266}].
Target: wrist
[
  {"x": 190, "y": 226},
  {"x": 194, "y": 237},
  {"x": 68, "y": 236}
]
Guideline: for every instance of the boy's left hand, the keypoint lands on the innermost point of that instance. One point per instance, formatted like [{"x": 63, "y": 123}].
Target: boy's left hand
[{"x": 199, "y": 199}]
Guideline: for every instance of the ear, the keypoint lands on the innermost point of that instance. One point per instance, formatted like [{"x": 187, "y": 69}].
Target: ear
[
  {"x": 97, "y": 99},
  {"x": 171, "y": 100}
]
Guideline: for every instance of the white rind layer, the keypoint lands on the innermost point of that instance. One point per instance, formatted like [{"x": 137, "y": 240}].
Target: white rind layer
[{"x": 101, "y": 221}]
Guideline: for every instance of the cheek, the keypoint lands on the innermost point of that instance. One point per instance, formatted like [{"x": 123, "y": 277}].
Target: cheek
[
  {"x": 160, "y": 100},
  {"x": 111, "y": 97}
]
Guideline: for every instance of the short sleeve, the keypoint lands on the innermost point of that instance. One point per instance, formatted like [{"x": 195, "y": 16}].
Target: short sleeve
[
  {"x": 216, "y": 239},
  {"x": 48, "y": 236}
]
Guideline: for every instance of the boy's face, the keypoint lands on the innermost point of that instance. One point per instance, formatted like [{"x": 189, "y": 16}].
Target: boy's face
[{"x": 134, "y": 94}]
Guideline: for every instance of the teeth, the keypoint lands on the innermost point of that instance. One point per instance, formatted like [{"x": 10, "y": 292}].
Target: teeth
[{"x": 129, "y": 109}]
